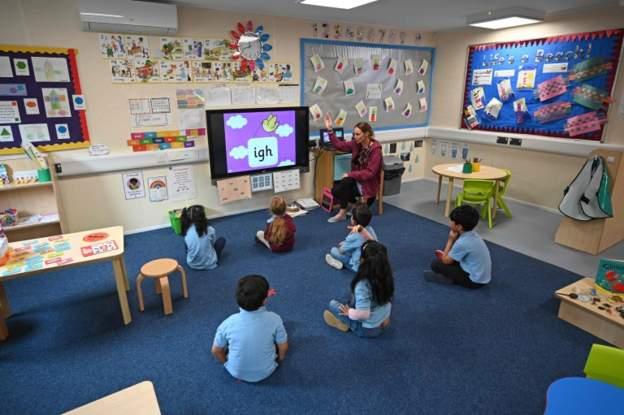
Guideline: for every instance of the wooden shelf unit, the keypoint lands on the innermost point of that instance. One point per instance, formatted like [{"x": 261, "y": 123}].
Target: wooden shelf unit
[{"x": 39, "y": 198}]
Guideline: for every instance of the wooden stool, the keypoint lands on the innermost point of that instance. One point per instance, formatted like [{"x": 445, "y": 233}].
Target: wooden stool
[{"x": 159, "y": 269}]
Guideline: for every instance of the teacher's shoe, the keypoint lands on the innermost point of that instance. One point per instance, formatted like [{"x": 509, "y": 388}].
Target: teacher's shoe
[
  {"x": 333, "y": 262},
  {"x": 332, "y": 321},
  {"x": 337, "y": 218}
]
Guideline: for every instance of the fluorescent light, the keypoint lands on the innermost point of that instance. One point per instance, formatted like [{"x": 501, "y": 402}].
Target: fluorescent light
[
  {"x": 505, "y": 22},
  {"x": 102, "y": 15},
  {"x": 337, "y": 4},
  {"x": 500, "y": 19}
]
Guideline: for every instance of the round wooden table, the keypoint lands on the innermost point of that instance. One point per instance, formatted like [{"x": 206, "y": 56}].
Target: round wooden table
[{"x": 450, "y": 170}]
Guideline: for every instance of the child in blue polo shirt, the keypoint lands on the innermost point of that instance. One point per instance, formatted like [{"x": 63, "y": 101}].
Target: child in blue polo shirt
[
  {"x": 347, "y": 253},
  {"x": 466, "y": 259},
  {"x": 246, "y": 342}
]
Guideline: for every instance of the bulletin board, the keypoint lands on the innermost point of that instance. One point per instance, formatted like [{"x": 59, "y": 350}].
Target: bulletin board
[
  {"x": 558, "y": 86},
  {"x": 366, "y": 64},
  {"x": 41, "y": 99}
]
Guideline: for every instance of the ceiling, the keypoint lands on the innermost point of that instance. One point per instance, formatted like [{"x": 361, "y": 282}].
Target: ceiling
[{"x": 425, "y": 15}]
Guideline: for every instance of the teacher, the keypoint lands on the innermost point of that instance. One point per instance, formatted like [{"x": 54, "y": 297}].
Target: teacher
[{"x": 363, "y": 179}]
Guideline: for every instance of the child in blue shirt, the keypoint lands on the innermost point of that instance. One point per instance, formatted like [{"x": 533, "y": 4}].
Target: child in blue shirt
[
  {"x": 347, "y": 253},
  {"x": 246, "y": 342},
  {"x": 203, "y": 248},
  {"x": 466, "y": 259},
  {"x": 367, "y": 313}
]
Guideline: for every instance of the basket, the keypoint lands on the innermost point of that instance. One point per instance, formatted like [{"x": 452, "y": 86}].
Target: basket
[{"x": 175, "y": 217}]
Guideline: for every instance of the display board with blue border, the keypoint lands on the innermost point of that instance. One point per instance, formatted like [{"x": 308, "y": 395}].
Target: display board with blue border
[
  {"x": 558, "y": 86},
  {"x": 388, "y": 86},
  {"x": 41, "y": 99}
]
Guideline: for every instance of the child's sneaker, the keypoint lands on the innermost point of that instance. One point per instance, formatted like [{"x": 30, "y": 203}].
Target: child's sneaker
[
  {"x": 337, "y": 218},
  {"x": 332, "y": 321},
  {"x": 333, "y": 262}
]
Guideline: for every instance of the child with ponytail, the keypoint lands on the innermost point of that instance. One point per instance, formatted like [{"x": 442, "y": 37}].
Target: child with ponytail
[{"x": 279, "y": 234}]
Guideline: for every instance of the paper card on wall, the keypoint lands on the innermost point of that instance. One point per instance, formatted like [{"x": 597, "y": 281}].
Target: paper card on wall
[
  {"x": 267, "y": 95},
  {"x": 376, "y": 62},
  {"x": 112, "y": 46},
  {"x": 233, "y": 189},
  {"x": 160, "y": 105},
  {"x": 5, "y": 67},
  {"x": 398, "y": 87},
  {"x": 133, "y": 186},
  {"x": 146, "y": 70},
  {"x": 408, "y": 110},
  {"x": 392, "y": 67},
  {"x": 422, "y": 104},
  {"x": 193, "y": 118},
  {"x": 389, "y": 104},
  {"x": 56, "y": 102},
  {"x": 181, "y": 183},
  {"x": 373, "y": 91},
  {"x": 561, "y": 67},
  {"x": 341, "y": 64},
  {"x": 139, "y": 106},
  {"x": 149, "y": 120},
  {"x": 349, "y": 87},
  {"x": 13, "y": 90},
  {"x": 62, "y": 131},
  {"x": 421, "y": 87},
  {"x": 317, "y": 63},
  {"x": 408, "y": 66},
  {"x": 316, "y": 112},
  {"x": 175, "y": 71},
  {"x": 341, "y": 118},
  {"x": 424, "y": 65},
  {"x": 6, "y": 134},
  {"x": 171, "y": 48},
  {"x": 505, "y": 91},
  {"x": 505, "y": 73},
  {"x": 358, "y": 66},
  {"x": 9, "y": 112},
  {"x": 217, "y": 49},
  {"x": 526, "y": 79},
  {"x": 201, "y": 71},
  {"x": 157, "y": 188},
  {"x": 21, "y": 67},
  {"x": 189, "y": 98},
  {"x": 218, "y": 96},
  {"x": 243, "y": 96},
  {"x": 137, "y": 46},
  {"x": 470, "y": 117},
  {"x": 465, "y": 151},
  {"x": 34, "y": 132},
  {"x": 121, "y": 70},
  {"x": 79, "y": 102},
  {"x": 289, "y": 94},
  {"x": 552, "y": 88},
  {"x": 477, "y": 98},
  {"x": 319, "y": 86},
  {"x": 286, "y": 180},
  {"x": 482, "y": 76},
  {"x": 454, "y": 151},
  {"x": 193, "y": 49},
  {"x": 50, "y": 69},
  {"x": 372, "y": 114},
  {"x": 443, "y": 149},
  {"x": 492, "y": 109},
  {"x": 361, "y": 109}
]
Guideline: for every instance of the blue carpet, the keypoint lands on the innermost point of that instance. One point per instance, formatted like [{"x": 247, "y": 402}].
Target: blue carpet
[{"x": 449, "y": 350}]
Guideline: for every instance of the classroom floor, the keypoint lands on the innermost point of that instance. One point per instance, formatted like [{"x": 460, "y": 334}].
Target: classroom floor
[{"x": 531, "y": 231}]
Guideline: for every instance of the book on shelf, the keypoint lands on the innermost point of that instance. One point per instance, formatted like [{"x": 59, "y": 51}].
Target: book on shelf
[{"x": 610, "y": 275}]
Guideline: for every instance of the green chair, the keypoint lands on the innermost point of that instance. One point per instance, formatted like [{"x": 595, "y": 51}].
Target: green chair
[
  {"x": 478, "y": 192},
  {"x": 606, "y": 364},
  {"x": 502, "y": 189}
]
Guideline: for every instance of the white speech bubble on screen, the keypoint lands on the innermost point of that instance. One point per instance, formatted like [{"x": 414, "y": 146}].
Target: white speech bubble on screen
[{"x": 262, "y": 151}]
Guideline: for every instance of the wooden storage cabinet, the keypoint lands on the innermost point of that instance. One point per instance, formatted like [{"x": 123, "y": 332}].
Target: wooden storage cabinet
[{"x": 38, "y": 205}]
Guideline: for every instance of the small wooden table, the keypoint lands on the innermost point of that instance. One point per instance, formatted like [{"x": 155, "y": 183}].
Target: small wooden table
[
  {"x": 449, "y": 170},
  {"x": 588, "y": 316},
  {"x": 36, "y": 256},
  {"x": 139, "y": 399}
]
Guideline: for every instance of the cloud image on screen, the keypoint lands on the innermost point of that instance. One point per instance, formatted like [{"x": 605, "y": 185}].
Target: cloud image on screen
[{"x": 259, "y": 140}]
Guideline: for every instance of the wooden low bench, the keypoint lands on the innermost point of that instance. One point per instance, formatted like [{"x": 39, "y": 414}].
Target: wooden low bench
[{"x": 587, "y": 316}]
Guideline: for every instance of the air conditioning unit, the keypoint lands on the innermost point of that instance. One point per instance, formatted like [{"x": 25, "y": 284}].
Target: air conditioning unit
[{"x": 128, "y": 16}]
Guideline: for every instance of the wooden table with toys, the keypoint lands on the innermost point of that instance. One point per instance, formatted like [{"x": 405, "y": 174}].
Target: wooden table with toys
[
  {"x": 594, "y": 310},
  {"x": 36, "y": 256}
]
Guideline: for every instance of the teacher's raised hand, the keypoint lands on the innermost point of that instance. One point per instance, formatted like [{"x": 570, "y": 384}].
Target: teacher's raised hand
[{"x": 329, "y": 121}]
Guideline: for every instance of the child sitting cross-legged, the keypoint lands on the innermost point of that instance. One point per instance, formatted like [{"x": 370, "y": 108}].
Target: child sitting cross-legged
[
  {"x": 466, "y": 259},
  {"x": 367, "y": 313},
  {"x": 203, "y": 248},
  {"x": 279, "y": 234},
  {"x": 347, "y": 253},
  {"x": 251, "y": 342}
]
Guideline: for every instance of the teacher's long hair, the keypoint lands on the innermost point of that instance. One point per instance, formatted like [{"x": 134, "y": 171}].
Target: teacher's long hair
[{"x": 365, "y": 128}]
